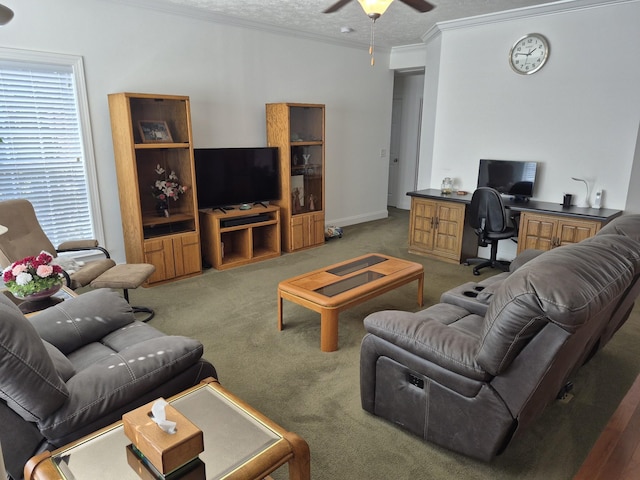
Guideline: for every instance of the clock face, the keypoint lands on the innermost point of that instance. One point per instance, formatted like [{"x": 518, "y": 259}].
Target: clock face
[{"x": 529, "y": 54}]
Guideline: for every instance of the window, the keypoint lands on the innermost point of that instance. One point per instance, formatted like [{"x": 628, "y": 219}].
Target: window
[{"x": 46, "y": 155}]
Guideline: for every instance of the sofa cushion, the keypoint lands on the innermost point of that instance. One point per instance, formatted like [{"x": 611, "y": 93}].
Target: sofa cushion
[
  {"x": 118, "y": 379},
  {"x": 61, "y": 363},
  {"x": 68, "y": 326},
  {"x": 29, "y": 382},
  {"x": 598, "y": 271}
]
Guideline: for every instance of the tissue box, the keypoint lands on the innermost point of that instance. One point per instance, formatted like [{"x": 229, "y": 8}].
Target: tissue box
[{"x": 165, "y": 451}]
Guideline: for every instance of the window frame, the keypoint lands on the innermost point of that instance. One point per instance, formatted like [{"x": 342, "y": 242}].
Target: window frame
[{"x": 76, "y": 64}]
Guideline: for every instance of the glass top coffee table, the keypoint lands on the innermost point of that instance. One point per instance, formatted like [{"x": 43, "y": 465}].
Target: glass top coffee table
[
  {"x": 239, "y": 444},
  {"x": 338, "y": 287}
]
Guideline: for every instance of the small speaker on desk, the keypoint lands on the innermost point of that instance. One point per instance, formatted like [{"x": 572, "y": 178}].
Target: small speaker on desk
[{"x": 598, "y": 201}]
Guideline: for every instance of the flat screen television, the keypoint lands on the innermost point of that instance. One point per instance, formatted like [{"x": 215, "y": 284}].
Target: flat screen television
[
  {"x": 509, "y": 177},
  {"x": 232, "y": 176}
]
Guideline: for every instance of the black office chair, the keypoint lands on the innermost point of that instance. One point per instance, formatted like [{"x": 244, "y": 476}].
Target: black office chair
[{"x": 488, "y": 217}]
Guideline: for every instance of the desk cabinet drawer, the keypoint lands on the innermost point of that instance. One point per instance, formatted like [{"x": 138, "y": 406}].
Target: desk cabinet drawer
[
  {"x": 437, "y": 228},
  {"x": 544, "y": 232}
]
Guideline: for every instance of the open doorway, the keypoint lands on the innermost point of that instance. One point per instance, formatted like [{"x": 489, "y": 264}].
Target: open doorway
[{"x": 404, "y": 149}]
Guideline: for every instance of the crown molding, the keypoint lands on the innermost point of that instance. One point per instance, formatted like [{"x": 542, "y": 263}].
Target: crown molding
[{"x": 553, "y": 8}]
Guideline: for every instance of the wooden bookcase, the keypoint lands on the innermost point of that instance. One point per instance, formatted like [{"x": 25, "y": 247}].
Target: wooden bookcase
[
  {"x": 297, "y": 129},
  {"x": 171, "y": 243},
  {"x": 231, "y": 246}
]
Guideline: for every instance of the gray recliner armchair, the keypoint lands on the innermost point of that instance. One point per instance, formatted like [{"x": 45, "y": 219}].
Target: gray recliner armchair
[
  {"x": 78, "y": 366},
  {"x": 470, "y": 376},
  {"x": 24, "y": 237}
]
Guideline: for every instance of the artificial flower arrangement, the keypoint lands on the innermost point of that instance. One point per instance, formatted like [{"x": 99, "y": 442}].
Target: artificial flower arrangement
[
  {"x": 163, "y": 190},
  {"x": 32, "y": 275},
  {"x": 168, "y": 187}
]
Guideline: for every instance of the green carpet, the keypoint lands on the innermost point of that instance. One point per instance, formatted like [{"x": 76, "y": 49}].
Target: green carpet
[{"x": 286, "y": 376}]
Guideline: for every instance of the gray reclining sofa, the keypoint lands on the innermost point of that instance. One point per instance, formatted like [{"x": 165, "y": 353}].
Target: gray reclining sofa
[
  {"x": 474, "y": 370},
  {"x": 77, "y": 367}
]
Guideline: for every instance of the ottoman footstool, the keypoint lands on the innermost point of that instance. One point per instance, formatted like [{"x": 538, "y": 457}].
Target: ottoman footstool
[{"x": 126, "y": 276}]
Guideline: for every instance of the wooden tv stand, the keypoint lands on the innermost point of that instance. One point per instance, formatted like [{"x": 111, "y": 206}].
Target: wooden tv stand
[{"x": 247, "y": 242}]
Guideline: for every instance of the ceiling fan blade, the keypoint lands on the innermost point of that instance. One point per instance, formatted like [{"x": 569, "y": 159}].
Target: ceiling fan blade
[
  {"x": 419, "y": 5},
  {"x": 336, "y": 6}
]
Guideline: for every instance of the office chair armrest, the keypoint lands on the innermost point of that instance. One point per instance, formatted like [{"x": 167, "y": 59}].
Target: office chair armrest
[{"x": 80, "y": 245}]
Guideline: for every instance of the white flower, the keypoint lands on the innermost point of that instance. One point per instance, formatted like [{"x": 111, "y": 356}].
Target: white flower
[{"x": 23, "y": 278}]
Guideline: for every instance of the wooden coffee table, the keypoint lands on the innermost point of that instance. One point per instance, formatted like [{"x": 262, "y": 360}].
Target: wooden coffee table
[{"x": 338, "y": 287}]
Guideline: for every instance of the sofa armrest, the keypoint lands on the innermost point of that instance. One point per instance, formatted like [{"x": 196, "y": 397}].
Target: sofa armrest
[
  {"x": 446, "y": 335},
  {"x": 80, "y": 245},
  {"x": 83, "y": 319}
]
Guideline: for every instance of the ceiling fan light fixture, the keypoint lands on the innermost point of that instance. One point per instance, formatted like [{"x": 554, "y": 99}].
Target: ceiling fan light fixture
[
  {"x": 6, "y": 14},
  {"x": 375, "y": 8}
]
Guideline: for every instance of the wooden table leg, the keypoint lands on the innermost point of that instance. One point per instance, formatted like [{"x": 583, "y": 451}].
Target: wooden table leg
[
  {"x": 329, "y": 330},
  {"x": 421, "y": 290},
  {"x": 279, "y": 311},
  {"x": 300, "y": 464}
]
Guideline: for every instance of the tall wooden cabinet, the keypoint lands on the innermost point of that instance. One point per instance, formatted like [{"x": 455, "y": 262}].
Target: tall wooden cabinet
[
  {"x": 170, "y": 241},
  {"x": 436, "y": 229},
  {"x": 297, "y": 129}
]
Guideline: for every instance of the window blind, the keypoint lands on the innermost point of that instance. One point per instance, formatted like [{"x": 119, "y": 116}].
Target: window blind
[{"x": 41, "y": 157}]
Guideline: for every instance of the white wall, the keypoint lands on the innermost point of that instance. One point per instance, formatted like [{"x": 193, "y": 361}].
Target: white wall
[
  {"x": 578, "y": 116},
  {"x": 229, "y": 73}
]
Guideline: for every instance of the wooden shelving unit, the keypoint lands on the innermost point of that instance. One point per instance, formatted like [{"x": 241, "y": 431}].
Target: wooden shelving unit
[
  {"x": 170, "y": 243},
  {"x": 232, "y": 246},
  {"x": 297, "y": 129}
]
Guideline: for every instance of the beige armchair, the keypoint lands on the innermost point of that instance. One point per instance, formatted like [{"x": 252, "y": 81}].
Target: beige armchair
[{"x": 25, "y": 237}]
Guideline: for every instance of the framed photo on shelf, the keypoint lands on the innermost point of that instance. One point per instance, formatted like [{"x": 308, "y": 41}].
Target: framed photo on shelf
[{"x": 154, "y": 131}]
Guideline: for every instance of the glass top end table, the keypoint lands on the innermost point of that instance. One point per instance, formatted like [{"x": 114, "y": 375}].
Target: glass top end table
[{"x": 239, "y": 443}]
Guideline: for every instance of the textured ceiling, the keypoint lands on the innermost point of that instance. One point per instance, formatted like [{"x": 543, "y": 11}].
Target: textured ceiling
[{"x": 400, "y": 25}]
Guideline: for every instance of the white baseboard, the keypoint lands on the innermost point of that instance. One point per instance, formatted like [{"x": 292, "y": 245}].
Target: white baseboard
[{"x": 368, "y": 217}]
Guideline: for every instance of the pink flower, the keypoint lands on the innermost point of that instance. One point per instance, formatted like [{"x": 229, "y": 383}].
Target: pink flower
[
  {"x": 18, "y": 269},
  {"x": 44, "y": 270}
]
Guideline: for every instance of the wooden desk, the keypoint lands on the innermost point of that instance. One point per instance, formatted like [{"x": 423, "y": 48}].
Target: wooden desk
[
  {"x": 616, "y": 453},
  {"x": 439, "y": 225}
]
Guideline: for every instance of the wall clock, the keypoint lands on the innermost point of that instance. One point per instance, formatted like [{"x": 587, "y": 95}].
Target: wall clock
[{"x": 529, "y": 54}]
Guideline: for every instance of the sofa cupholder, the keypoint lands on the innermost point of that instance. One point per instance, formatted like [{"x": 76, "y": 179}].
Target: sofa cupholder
[
  {"x": 470, "y": 294},
  {"x": 478, "y": 288}
]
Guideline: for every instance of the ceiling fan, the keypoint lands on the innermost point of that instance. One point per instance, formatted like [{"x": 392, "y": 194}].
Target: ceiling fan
[
  {"x": 372, "y": 7},
  {"x": 374, "y": 10}
]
